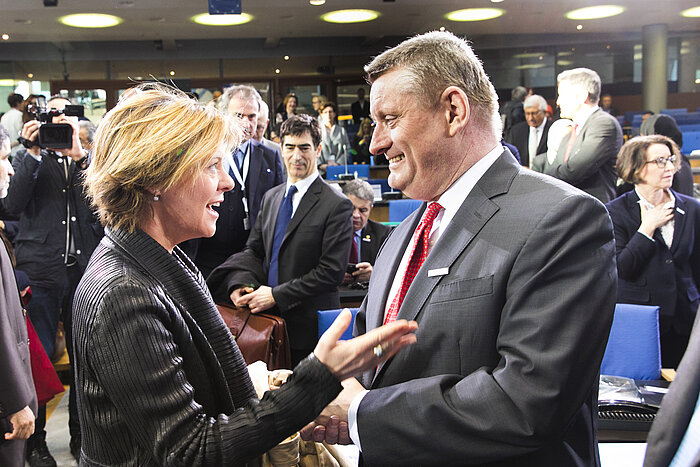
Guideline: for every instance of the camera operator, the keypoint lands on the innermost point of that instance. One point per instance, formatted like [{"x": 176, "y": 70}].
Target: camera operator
[{"x": 57, "y": 234}]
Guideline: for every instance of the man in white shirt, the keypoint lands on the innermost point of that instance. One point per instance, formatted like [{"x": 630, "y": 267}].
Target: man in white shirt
[
  {"x": 530, "y": 136},
  {"x": 12, "y": 120},
  {"x": 497, "y": 268},
  {"x": 587, "y": 155}
]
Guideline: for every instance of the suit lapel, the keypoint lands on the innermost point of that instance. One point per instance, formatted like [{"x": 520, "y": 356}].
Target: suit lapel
[
  {"x": 307, "y": 203},
  {"x": 254, "y": 168},
  {"x": 679, "y": 223}
]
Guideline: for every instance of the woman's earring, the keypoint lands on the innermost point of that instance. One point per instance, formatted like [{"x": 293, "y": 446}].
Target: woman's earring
[{"x": 156, "y": 197}]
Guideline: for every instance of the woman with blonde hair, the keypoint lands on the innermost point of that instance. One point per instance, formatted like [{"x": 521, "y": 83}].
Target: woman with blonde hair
[
  {"x": 657, "y": 240},
  {"x": 160, "y": 380}
]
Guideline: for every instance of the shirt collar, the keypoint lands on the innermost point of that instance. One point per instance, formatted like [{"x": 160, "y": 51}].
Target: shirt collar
[
  {"x": 453, "y": 198},
  {"x": 541, "y": 125},
  {"x": 583, "y": 115},
  {"x": 303, "y": 184},
  {"x": 648, "y": 205}
]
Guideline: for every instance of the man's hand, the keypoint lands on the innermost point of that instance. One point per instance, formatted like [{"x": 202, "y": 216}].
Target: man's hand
[
  {"x": 75, "y": 152},
  {"x": 363, "y": 272},
  {"x": 22, "y": 424},
  {"x": 348, "y": 279},
  {"x": 237, "y": 295},
  {"x": 332, "y": 425},
  {"x": 257, "y": 300},
  {"x": 30, "y": 131}
]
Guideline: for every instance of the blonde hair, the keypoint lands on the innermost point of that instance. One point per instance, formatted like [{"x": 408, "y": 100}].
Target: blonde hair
[{"x": 155, "y": 137}]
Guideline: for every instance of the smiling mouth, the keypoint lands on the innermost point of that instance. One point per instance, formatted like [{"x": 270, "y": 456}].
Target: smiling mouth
[{"x": 396, "y": 159}]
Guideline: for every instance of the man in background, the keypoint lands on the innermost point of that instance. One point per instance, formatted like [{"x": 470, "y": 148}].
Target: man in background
[
  {"x": 497, "y": 268},
  {"x": 12, "y": 120},
  {"x": 530, "y": 136},
  {"x": 606, "y": 105},
  {"x": 368, "y": 235},
  {"x": 298, "y": 250},
  {"x": 586, "y": 156},
  {"x": 261, "y": 128},
  {"x": 512, "y": 112},
  {"x": 360, "y": 108},
  {"x": 254, "y": 168}
]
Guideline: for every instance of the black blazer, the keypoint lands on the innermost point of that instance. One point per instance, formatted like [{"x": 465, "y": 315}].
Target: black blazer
[
  {"x": 312, "y": 259},
  {"x": 520, "y": 137},
  {"x": 265, "y": 172},
  {"x": 372, "y": 238},
  {"x": 159, "y": 378},
  {"x": 652, "y": 274}
]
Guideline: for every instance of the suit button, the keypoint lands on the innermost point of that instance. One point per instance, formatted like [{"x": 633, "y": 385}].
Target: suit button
[{"x": 669, "y": 261}]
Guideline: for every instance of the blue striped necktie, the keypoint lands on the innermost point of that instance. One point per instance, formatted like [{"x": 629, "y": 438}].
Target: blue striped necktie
[{"x": 283, "y": 218}]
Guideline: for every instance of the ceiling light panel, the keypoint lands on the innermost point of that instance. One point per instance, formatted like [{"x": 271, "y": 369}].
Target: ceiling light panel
[
  {"x": 475, "y": 14},
  {"x": 350, "y": 16},
  {"x": 595, "y": 12},
  {"x": 90, "y": 20}
]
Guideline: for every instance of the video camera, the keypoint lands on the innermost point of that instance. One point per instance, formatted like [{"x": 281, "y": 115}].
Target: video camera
[{"x": 54, "y": 135}]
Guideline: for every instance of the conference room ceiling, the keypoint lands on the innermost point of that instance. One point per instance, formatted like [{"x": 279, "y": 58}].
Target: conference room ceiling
[{"x": 274, "y": 20}]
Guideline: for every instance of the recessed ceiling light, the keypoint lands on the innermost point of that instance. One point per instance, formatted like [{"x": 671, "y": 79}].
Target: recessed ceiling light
[
  {"x": 90, "y": 20},
  {"x": 172, "y": 72},
  {"x": 5, "y": 37},
  {"x": 222, "y": 20},
  {"x": 277, "y": 70},
  {"x": 475, "y": 14},
  {"x": 442, "y": 28},
  {"x": 496, "y": 1},
  {"x": 579, "y": 26},
  {"x": 529, "y": 55},
  {"x": 565, "y": 62},
  {"x": 691, "y": 12},
  {"x": 595, "y": 12},
  {"x": 350, "y": 16},
  {"x": 286, "y": 57},
  {"x": 30, "y": 75},
  {"x": 317, "y": 2}
]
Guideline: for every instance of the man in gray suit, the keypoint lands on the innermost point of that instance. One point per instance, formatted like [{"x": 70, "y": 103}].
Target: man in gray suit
[
  {"x": 671, "y": 437},
  {"x": 586, "y": 157},
  {"x": 514, "y": 297}
]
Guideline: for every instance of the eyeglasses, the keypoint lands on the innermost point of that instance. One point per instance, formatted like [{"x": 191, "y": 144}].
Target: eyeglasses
[{"x": 661, "y": 161}]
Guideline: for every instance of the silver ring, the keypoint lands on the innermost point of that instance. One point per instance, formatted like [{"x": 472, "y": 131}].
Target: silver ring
[{"x": 378, "y": 351}]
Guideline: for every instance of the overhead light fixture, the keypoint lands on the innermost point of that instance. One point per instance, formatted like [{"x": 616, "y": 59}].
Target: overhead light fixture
[
  {"x": 317, "y": 2},
  {"x": 222, "y": 20},
  {"x": 172, "y": 72},
  {"x": 579, "y": 26},
  {"x": 90, "y": 20},
  {"x": 529, "y": 55},
  {"x": 530, "y": 66},
  {"x": 595, "y": 12},
  {"x": 475, "y": 14},
  {"x": 442, "y": 28},
  {"x": 286, "y": 57},
  {"x": 691, "y": 12},
  {"x": 496, "y": 1},
  {"x": 5, "y": 37},
  {"x": 565, "y": 62},
  {"x": 350, "y": 16},
  {"x": 277, "y": 71},
  {"x": 30, "y": 75}
]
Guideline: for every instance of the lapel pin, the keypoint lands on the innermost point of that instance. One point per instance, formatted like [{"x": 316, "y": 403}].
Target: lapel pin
[
  {"x": 438, "y": 272},
  {"x": 680, "y": 210}
]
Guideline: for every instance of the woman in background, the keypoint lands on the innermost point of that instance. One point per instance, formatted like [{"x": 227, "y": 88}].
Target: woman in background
[
  {"x": 335, "y": 145},
  {"x": 361, "y": 142},
  {"x": 290, "y": 108},
  {"x": 657, "y": 239},
  {"x": 160, "y": 379}
]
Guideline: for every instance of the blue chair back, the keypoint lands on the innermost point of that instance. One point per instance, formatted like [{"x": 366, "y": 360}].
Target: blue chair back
[
  {"x": 675, "y": 111},
  {"x": 380, "y": 181},
  {"x": 399, "y": 209},
  {"x": 326, "y": 318},
  {"x": 691, "y": 141},
  {"x": 332, "y": 171},
  {"x": 633, "y": 349}
]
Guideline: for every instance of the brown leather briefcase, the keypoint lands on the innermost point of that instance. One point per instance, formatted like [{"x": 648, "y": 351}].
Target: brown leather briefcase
[{"x": 259, "y": 336}]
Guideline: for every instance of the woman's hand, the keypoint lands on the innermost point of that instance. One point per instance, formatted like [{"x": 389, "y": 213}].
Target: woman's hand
[
  {"x": 655, "y": 217},
  {"x": 350, "y": 358}
]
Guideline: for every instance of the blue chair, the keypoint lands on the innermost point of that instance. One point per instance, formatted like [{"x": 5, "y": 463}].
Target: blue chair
[
  {"x": 689, "y": 127},
  {"x": 633, "y": 349},
  {"x": 399, "y": 209},
  {"x": 380, "y": 181},
  {"x": 326, "y": 318},
  {"x": 674, "y": 112},
  {"x": 691, "y": 142},
  {"x": 332, "y": 171}
]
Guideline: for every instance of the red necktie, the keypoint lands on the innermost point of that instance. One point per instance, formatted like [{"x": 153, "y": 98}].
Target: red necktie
[
  {"x": 354, "y": 257},
  {"x": 570, "y": 144},
  {"x": 419, "y": 251}
]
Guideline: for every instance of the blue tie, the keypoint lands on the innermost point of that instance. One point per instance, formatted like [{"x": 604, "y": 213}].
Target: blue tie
[{"x": 283, "y": 218}]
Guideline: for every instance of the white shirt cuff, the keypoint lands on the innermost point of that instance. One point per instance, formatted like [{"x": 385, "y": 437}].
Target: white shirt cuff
[
  {"x": 352, "y": 419},
  {"x": 647, "y": 236}
]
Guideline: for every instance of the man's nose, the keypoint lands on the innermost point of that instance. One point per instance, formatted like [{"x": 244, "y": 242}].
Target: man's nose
[{"x": 381, "y": 141}]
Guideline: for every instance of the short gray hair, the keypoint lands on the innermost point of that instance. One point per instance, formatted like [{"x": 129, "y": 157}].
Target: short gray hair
[
  {"x": 264, "y": 109},
  {"x": 535, "y": 100},
  {"x": 243, "y": 90},
  {"x": 4, "y": 135},
  {"x": 435, "y": 61},
  {"x": 89, "y": 129},
  {"x": 360, "y": 189},
  {"x": 518, "y": 93},
  {"x": 584, "y": 78}
]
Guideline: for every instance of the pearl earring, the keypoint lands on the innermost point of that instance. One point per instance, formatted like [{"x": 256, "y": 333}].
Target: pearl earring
[{"x": 156, "y": 197}]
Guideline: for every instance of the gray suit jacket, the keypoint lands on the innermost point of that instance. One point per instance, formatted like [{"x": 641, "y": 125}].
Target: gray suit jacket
[
  {"x": 17, "y": 390},
  {"x": 591, "y": 164},
  {"x": 677, "y": 408},
  {"x": 510, "y": 337},
  {"x": 312, "y": 259}
]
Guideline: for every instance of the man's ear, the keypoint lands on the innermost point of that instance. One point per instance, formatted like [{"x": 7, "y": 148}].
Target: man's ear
[{"x": 457, "y": 109}]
